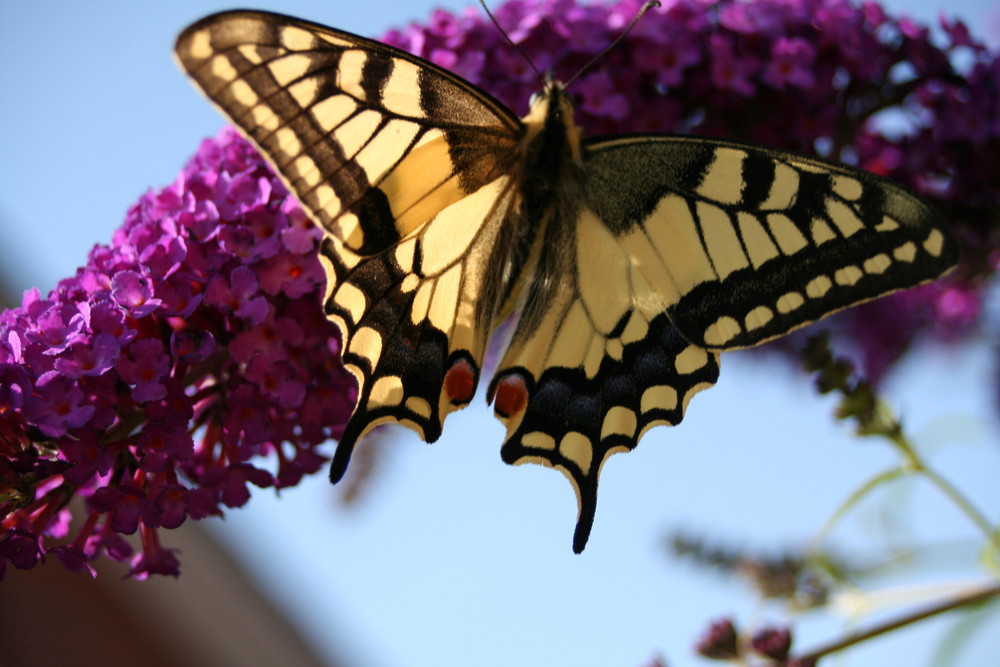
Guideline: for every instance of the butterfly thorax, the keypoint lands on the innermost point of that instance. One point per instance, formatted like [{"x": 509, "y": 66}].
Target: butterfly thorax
[{"x": 539, "y": 226}]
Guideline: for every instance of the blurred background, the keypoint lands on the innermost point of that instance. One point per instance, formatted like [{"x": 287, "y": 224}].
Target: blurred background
[{"x": 449, "y": 556}]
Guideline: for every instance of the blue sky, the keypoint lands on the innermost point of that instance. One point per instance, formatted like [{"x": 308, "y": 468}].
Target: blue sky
[{"x": 454, "y": 557}]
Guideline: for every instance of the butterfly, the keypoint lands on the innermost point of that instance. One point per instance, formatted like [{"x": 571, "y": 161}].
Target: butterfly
[{"x": 626, "y": 263}]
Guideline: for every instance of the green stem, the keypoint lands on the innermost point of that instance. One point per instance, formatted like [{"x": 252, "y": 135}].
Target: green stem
[
  {"x": 856, "y": 496},
  {"x": 853, "y": 638},
  {"x": 913, "y": 462},
  {"x": 964, "y": 504},
  {"x": 916, "y": 464}
]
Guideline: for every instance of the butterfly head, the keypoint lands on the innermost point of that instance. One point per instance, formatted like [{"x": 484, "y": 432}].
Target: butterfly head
[{"x": 552, "y": 109}]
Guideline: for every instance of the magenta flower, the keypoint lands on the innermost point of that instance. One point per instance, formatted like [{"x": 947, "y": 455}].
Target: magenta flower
[
  {"x": 190, "y": 358},
  {"x": 790, "y": 64},
  {"x": 170, "y": 372},
  {"x": 719, "y": 641}
]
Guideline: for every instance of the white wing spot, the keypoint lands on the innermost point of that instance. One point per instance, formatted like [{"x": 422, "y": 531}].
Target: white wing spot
[
  {"x": 419, "y": 406},
  {"x": 818, "y": 286},
  {"x": 297, "y": 39},
  {"x": 723, "y": 180},
  {"x": 619, "y": 420},
  {"x": 366, "y": 343},
  {"x": 305, "y": 170},
  {"x": 244, "y": 94},
  {"x": 336, "y": 41},
  {"x": 877, "y": 264},
  {"x": 349, "y": 73},
  {"x": 304, "y": 91},
  {"x": 409, "y": 283},
  {"x": 287, "y": 144},
  {"x": 906, "y": 252},
  {"x": 757, "y": 242},
  {"x": 809, "y": 167},
  {"x": 720, "y": 237},
  {"x": 386, "y": 148},
  {"x": 387, "y": 391},
  {"x": 660, "y": 397},
  {"x": 353, "y": 134},
  {"x": 784, "y": 188},
  {"x": 539, "y": 440},
  {"x": 577, "y": 448},
  {"x": 351, "y": 299},
  {"x": 788, "y": 236},
  {"x": 635, "y": 330},
  {"x": 847, "y": 188},
  {"x": 843, "y": 217},
  {"x": 264, "y": 118},
  {"x": 289, "y": 68},
  {"x": 404, "y": 256},
  {"x": 251, "y": 53},
  {"x": 421, "y": 302},
  {"x": 401, "y": 94},
  {"x": 887, "y": 225},
  {"x": 691, "y": 359},
  {"x": 788, "y": 302},
  {"x": 758, "y": 317},
  {"x": 722, "y": 331},
  {"x": 821, "y": 232},
  {"x": 333, "y": 111},
  {"x": 934, "y": 243},
  {"x": 223, "y": 69},
  {"x": 324, "y": 195},
  {"x": 848, "y": 275},
  {"x": 199, "y": 46},
  {"x": 445, "y": 300}
]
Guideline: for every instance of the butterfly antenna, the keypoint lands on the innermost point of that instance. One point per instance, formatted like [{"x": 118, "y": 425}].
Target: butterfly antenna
[
  {"x": 510, "y": 41},
  {"x": 645, "y": 8}
]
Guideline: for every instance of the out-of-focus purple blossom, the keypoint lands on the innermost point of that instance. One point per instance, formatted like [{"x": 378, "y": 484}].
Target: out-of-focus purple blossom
[
  {"x": 791, "y": 64},
  {"x": 15, "y": 385},
  {"x": 122, "y": 386},
  {"x": 774, "y": 643},
  {"x": 720, "y": 641}
]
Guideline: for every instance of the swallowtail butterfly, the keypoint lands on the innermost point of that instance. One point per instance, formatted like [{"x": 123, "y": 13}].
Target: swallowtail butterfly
[{"x": 630, "y": 262}]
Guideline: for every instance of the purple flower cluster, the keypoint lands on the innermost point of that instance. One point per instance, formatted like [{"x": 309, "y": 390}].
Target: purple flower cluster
[
  {"x": 828, "y": 77},
  {"x": 721, "y": 641},
  {"x": 156, "y": 382}
]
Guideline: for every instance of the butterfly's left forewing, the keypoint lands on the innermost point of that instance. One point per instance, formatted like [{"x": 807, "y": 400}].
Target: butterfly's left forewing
[{"x": 406, "y": 167}]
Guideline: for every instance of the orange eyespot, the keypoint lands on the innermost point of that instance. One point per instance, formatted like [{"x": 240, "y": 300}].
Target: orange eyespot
[
  {"x": 511, "y": 396},
  {"x": 460, "y": 382}
]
